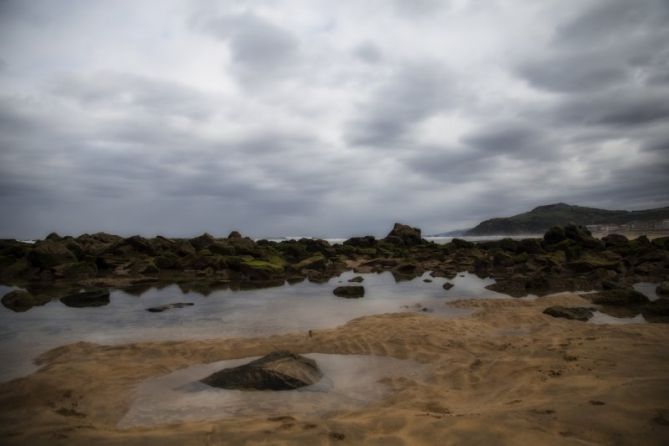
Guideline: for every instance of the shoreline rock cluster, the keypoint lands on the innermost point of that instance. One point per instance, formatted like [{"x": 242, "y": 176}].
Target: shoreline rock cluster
[{"x": 568, "y": 258}]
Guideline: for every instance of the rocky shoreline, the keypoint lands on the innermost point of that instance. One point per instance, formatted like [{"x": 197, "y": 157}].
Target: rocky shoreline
[{"x": 566, "y": 259}]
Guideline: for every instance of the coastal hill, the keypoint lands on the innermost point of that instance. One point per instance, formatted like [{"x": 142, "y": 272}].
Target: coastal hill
[{"x": 539, "y": 219}]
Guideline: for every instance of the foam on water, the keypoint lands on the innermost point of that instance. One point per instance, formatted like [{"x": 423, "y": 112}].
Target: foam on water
[{"x": 349, "y": 381}]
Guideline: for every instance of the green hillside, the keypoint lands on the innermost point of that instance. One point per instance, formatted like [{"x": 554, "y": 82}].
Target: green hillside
[{"x": 539, "y": 219}]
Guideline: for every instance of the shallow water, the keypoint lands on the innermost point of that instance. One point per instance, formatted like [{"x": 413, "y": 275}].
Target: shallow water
[
  {"x": 349, "y": 381},
  {"x": 602, "y": 318},
  {"x": 647, "y": 289},
  {"x": 221, "y": 313}
]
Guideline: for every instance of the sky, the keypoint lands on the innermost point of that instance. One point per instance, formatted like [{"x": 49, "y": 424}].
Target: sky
[{"x": 324, "y": 118}]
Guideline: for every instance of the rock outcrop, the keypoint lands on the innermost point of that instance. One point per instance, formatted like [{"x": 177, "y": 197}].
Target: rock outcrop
[
  {"x": 350, "y": 291},
  {"x": 280, "y": 370}
]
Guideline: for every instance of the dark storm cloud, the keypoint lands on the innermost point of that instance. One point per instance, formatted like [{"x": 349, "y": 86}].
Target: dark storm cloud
[
  {"x": 411, "y": 95},
  {"x": 615, "y": 42},
  {"x": 625, "y": 108},
  {"x": 326, "y": 118},
  {"x": 259, "y": 48},
  {"x": 450, "y": 165},
  {"x": 515, "y": 139},
  {"x": 114, "y": 89}
]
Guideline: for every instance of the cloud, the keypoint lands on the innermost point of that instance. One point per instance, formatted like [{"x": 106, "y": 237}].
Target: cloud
[
  {"x": 325, "y": 118},
  {"x": 412, "y": 94},
  {"x": 259, "y": 48}
]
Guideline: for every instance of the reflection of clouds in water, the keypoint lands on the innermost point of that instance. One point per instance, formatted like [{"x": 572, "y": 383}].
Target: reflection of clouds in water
[
  {"x": 349, "y": 381},
  {"x": 222, "y": 313}
]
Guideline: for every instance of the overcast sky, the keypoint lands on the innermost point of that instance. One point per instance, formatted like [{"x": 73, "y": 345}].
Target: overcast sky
[{"x": 326, "y": 118}]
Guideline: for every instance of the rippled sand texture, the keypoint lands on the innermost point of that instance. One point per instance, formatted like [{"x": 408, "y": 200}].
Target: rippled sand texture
[{"x": 506, "y": 374}]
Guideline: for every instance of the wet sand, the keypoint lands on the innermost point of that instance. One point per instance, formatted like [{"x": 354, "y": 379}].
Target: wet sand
[{"x": 506, "y": 374}]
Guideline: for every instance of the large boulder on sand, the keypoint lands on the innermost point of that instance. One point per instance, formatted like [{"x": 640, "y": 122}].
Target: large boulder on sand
[
  {"x": 350, "y": 291},
  {"x": 404, "y": 235},
  {"x": 280, "y": 370}
]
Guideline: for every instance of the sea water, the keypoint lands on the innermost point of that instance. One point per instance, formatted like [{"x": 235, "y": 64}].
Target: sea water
[{"x": 221, "y": 313}]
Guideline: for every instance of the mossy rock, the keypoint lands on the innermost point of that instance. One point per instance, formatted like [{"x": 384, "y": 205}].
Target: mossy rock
[
  {"x": 617, "y": 297},
  {"x": 20, "y": 300},
  {"x": 48, "y": 254},
  {"x": 19, "y": 268},
  {"x": 167, "y": 261},
  {"x": 76, "y": 270},
  {"x": 317, "y": 263},
  {"x": 254, "y": 269}
]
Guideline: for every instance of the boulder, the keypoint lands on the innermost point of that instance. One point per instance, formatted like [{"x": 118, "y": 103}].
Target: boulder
[
  {"x": 554, "y": 235},
  {"x": 404, "y": 235},
  {"x": 582, "y": 236},
  {"x": 253, "y": 269},
  {"x": 616, "y": 297},
  {"x": 280, "y": 370},
  {"x": 357, "y": 279},
  {"x": 574, "y": 313},
  {"x": 47, "y": 254},
  {"x": 20, "y": 300},
  {"x": 656, "y": 311},
  {"x": 202, "y": 242},
  {"x": 447, "y": 286},
  {"x": 663, "y": 289},
  {"x": 91, "y": 298},
  {"x": 316, "y": 263},
  {"x": 616, "y": 241},
  {"x": 350, "y": 291},
  {"x": 367, "y": 241},
  {"x": 161, "y": 308}
]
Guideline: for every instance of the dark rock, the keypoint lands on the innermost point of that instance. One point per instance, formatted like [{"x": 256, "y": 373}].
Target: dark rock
[
  {"x": 458, "y": 243},
  {"x": 253, "y": 269},
  {"x": 20, "y": 300},
  {"x": 140, "y": 245},
  {"x": 349, "y": 291},
  {"x": 616, "y": 297},
  {"x": 530, "y": 246},
  {"x": 54, "y": 237},
  {"x": 575, "y": 313},
  {"x": 611, "y": 285},
  {"x": 615, "y": 241},
  {"x": 75, "y": 270},
  {"x": 48, "y": 254},
  {"x": 554, "y": 235},
  {"x": 404, "y": 235},
  {"x": 448, "y": 286},
  {"x": 656, "y": 311},
  {"x": 279, "y": 370},
  {"x": 92, "y": 298},
  {"x": 202, "y": 242},
  {"x": 357, "y": 279},
  {"x": 161, "y": 308},
  {"x": 582, "y": 236},
  {"x": 367, "y": 241},
  {"x": 316, "y": 263},
  {"x": 663, "y": 289}
]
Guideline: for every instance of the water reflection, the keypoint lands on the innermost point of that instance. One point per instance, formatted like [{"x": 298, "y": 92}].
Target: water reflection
[
  {"x": 219, "y": 312},
  {"x": 348, "y": 381}
]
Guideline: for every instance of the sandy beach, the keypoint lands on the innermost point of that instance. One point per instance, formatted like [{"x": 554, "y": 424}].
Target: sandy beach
[{"x": 506, "y": 374}]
